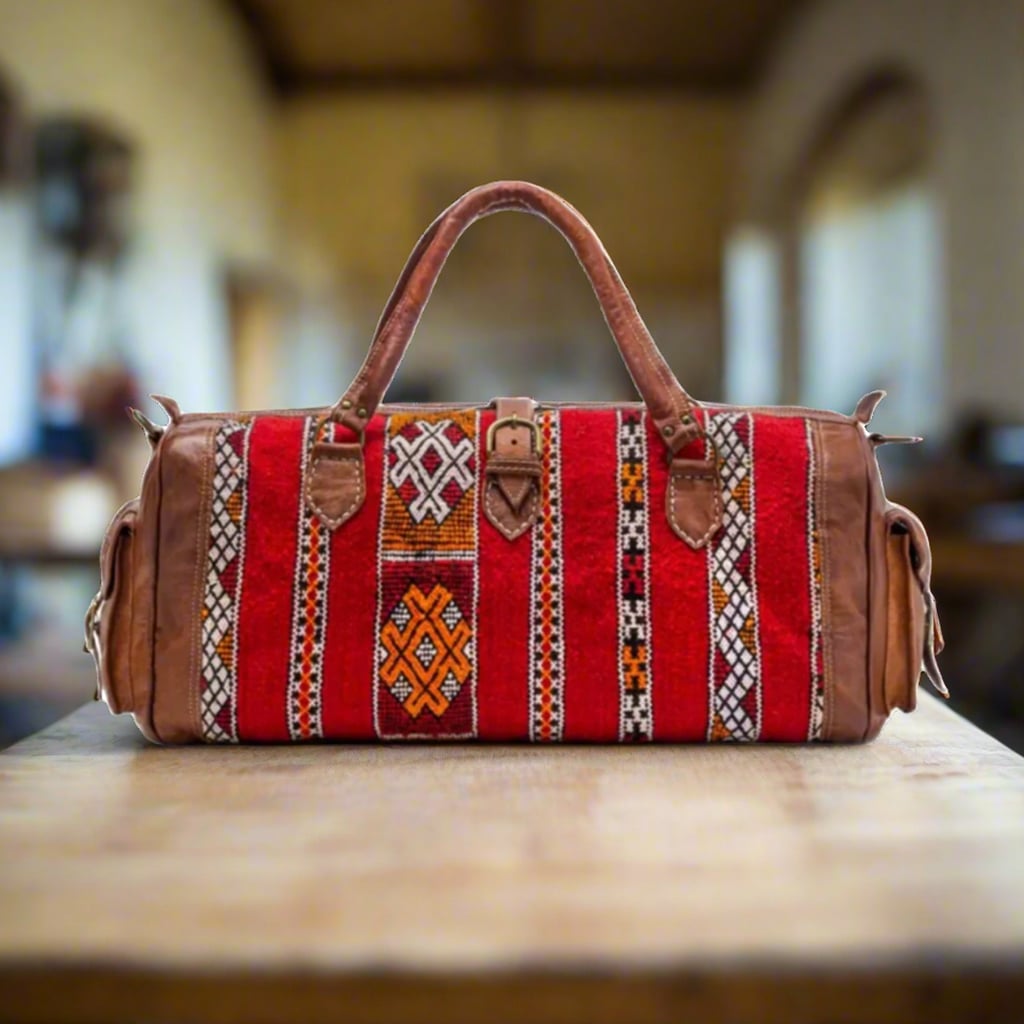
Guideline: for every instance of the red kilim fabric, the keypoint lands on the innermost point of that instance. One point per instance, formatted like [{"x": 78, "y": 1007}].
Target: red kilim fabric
[{"x": 418, "y": 619}]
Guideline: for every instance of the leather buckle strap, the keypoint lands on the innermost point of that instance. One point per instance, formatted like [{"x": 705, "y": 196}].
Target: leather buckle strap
[
  {"x": 514, "y": 420},
  {"x": 513, "y": 469},
  {"x": 340, "y": 490}
]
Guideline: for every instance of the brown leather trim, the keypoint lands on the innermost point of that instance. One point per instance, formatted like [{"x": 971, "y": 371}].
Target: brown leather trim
[
  {"x": 143, "y": 599},
  {"x": 905, "y": 613},
  {"x": 693, "y": 500},
  {"x": 336, "y": 483},
  {"x": 920, "y": 554},
  {"x": 111, "y": 644},
  {"x": 878, "y": 588},
  {"x": 186, "y": 472},
  {"x": 843, "y": 514}
]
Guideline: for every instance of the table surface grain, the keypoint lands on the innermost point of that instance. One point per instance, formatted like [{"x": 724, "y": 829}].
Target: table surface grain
[{"x": 614, "y": 883}]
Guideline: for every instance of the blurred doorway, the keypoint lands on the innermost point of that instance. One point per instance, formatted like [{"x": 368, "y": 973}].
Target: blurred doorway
[{"x": 869, "y": 259}]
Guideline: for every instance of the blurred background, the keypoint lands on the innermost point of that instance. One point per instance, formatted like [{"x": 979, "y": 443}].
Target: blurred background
[{"x": 212, "y": 198}]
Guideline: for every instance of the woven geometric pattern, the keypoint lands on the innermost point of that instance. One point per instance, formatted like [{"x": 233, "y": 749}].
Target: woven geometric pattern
[
  {"x": 309, "y": 606},
  {"x": 428, "y": 647},
  {"x": 418, "y": 618},
  {"x": 218, "y": 688},
  {"x": 431, "y": 482},
  {"x": 636, "y": 720},
  {"x": 735, "y": 662},
  {"x": 425, "y": 679},
  {"x": 547, "y": 645},
  {"x": 817, "y": 712}
]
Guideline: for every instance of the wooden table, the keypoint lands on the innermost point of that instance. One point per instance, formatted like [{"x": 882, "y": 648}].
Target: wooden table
[{"x": 498, "y": 884}]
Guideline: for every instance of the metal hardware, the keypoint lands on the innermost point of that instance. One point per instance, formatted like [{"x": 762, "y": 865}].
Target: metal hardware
[
  {"x": 880, "y": 439},
  {"x": 515, "y": 421},
  {"x": 152, "y": 430},
  {"x": 91, "y": 643},
  {"x": 929, "y": 660}
]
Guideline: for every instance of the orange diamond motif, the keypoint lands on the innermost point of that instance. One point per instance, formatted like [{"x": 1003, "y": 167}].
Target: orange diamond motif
[{"x": 426, "y": 650}]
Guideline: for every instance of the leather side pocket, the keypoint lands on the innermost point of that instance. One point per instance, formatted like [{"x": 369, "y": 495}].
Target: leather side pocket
[
  {"x": 906, "y": 620},
  {"x": 108, "y": 627}
]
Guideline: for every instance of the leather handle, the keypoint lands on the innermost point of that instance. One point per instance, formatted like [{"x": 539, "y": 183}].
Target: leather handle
[{"x": 670, "y": 407}]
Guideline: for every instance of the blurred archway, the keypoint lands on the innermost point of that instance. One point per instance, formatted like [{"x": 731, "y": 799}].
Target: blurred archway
[
  {"x": 836, "y": 289},
  {"x": 868, "y": 262}
]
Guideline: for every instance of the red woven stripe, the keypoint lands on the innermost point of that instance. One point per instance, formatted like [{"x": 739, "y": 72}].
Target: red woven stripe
[
  {"x": 275, "y": 461},
  {"x": 679, "y": 612},
  {"x": 350, "y": 642},
  {"x": 590, "y": 536},
  {"x": 503, "y": 628},
  {"x": 780, "y": 486}
]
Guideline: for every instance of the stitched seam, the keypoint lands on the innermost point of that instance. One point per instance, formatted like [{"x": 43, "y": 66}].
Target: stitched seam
[
  {"x": 335, "y": 521},
  {"x": 826, "y": 587},
  {"x": 698, "y": 542},
  {"x": 499, "y": 466},
  {"x": 131, "y": 619},
  {"x": 492, "y": 514},
  {"x": 202, "y": 515}
]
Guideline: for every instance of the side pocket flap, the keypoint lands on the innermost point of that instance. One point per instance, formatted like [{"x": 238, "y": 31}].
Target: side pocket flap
[{"x": 108, "y": 620}]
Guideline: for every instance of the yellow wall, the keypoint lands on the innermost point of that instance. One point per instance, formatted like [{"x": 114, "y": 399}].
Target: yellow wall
[
  {"x": 355, "y": 180},
  {"x": 362, "y": 176},
  {"x": 178, "y": 79}
]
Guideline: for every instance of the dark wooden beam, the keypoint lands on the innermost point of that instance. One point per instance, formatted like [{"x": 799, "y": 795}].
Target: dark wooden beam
[
  {"x": 264, "y": 39},
  {"x": 519, "y": 79},
  {"x": 508, "y": 67}
]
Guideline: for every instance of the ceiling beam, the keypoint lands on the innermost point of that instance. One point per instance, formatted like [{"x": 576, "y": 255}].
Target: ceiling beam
[
  {"x": 507, "y": 69},
  {"x": 518, "y": 79},
  {"x": 263, "y": 37}
]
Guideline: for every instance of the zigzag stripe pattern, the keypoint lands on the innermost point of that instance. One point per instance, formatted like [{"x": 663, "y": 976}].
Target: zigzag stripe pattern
[
  {"x": 735, "y": 664},
  {"x": 636, "y": 717},
  {"x": 222, "y": 593},
  {"x": 309, "y": 606},
  {"x": 547, "y": 644},
  {"x": 817, "y": 715}
]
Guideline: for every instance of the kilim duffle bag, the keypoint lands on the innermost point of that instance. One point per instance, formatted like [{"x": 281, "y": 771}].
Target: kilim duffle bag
[{"x": 662, "y": 570}]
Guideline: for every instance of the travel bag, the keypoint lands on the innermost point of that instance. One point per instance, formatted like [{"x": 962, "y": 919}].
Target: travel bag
[{"x": 662, "y": 570}]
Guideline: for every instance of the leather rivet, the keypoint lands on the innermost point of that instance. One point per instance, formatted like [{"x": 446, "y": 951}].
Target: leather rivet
[
  {"x": 346, "y": 404},
  {"x": 686, "y": 418},
  {"x": 361, "y": 413},
  {"x": 668, "y": 430}
]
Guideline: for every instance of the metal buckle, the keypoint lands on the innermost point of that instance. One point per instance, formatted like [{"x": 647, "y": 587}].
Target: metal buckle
[{"x": 514, "y": 420}]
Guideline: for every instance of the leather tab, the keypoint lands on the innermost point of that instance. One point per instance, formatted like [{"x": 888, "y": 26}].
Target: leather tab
[
  {"x": 867, "y": 405},
  {"x": 694, "y": 500},
  {"x": 336, "y": 485},
  {"x": 512, "y": 489},
  {"x": 169, "y": 406},
  {"x": 922, "y": 570}
]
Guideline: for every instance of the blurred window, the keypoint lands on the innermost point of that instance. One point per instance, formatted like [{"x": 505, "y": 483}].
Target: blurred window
[
  {"x": 16, "y": 359},
  {"x": 752, "y": 293},
  {"x": 870, "y": 262}
]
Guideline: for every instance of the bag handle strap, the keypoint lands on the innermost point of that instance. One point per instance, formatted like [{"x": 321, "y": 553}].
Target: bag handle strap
[
  {"x": 670, "y": 407},
  {"x": 336, "y": 484}
]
